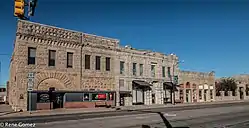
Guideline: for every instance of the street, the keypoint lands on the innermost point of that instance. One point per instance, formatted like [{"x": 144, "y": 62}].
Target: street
[
  {"x": 229, "y": 116},
  {"x": 125, "y": 111}
]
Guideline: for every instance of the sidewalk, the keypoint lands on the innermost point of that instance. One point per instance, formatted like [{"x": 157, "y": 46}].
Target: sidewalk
[{"x": 96, "y": 110}]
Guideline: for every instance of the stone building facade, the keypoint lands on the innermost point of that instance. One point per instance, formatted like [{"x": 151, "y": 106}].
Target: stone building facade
[
  {"x": 196, "y": 86},
  {"x": 242, "y": 91},
  {"x": 144, "y": 66},
  {"x": 84, "y": 70}
]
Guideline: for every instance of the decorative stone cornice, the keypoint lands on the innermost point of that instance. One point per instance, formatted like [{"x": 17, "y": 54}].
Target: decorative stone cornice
[
  {"x": 49, "y": 34},
  {"x": 99, "y": 40}
]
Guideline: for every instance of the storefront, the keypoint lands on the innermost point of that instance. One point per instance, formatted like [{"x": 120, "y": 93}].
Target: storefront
[
  {"x": 138, "y": 91},
  {"x": 41, "y": 100},
  {"x": 168, "y": 88}
]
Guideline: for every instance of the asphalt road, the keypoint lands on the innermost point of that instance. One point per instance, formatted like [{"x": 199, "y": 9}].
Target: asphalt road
[
  {"x": 229, "y": 116},
  {"x": 80, "y": 116},
  {"x": 227, "y": 120}
]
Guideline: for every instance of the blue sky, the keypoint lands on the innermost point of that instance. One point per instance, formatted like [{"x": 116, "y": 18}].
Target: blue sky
[{"x": 207, "y": 34}]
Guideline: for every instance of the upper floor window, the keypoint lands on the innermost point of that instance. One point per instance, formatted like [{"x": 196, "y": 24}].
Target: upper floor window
[
  {"x": 153, "y": 72},
  {"x": 87, "y": 61},
  {"x": 122, "y": 67},
  {"x": 51, "y": 58},
  {"x": 163, "y": 71},
  {"x": 31, "y": 55},
  {"x": 107, "y": 63},
  {"x": 69, "y": 60},
  {"x": 141, "y": 69},
  {"x": 134, "y": 69},
  {"x": 169, "y": 74},
  {"x": 121, "y": 82},
  {"x": 97, "y": 65}
]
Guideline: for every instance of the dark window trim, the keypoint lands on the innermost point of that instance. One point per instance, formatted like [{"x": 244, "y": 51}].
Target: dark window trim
[
  {"x": 69, "y": 66},
  {"x": 134, "y": 69},
  {"x": 97, "y": 62},
  {"x": 31, "y": 60},
  {"x": 87, "y": 63},
  {"x": 107, "y": 63},
  {"x": 121, "y": 70},
  {"x": 51, "y": 62},
  {"x": 163, "y": 71}
]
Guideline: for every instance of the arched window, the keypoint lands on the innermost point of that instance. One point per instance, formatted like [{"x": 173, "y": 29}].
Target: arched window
[{"x": 187, "y": 83}]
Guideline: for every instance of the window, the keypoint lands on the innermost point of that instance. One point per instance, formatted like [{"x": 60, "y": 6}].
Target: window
[
  {"x": 51, "y": 58},
  {"x": 87, "y": 61},
  {"x": 134, "y": 69},
  {"x": 31, "y": 55},
  {"x": 211, "y": 94},
  {"x": 141, "y": 69},
  {"x": 122, "y": 67},
  {"x": 74, "y": 97},
  {"x": 163, "y": 71},
  {"x": 69, "y": 60},
  {"x": 86, "y": 97},
  {"x": 107, "y": 63},
  {"x": 200, "y": 94},
  {"x": 121, "y": 83},
  {"x": 97, "y": 65},
  {"x": 153, "y": 73},
  {"x": 43, "y": 98},
  {"x": 101, "y": 96},
  {"x": 169, "y": 75}
]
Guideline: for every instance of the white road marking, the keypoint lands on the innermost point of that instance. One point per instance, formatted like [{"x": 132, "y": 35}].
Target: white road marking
[{"x": 167, "y": 114}]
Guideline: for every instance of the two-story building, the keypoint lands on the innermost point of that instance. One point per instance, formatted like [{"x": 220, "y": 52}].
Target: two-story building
[
  {"x": 145, "y": 74},
  {"x": 83, "y": 70}
]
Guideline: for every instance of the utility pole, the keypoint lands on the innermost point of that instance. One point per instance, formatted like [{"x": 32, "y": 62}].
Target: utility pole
[{"x": 174, "y": 79}]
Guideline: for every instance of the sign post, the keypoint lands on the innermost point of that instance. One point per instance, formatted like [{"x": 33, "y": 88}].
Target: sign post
[{"x": 30, "y": 88}]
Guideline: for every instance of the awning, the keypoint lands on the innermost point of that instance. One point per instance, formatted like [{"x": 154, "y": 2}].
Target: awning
[
  {"x": 141, "y": 83},
  {"x": 169, "y": 85},
  {"x": 125, "y": 92}
]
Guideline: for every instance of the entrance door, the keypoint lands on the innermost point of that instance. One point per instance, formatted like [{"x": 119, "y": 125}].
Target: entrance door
[
  {"x": 140, "y": 96},
  {"x": 241, "y": 94},
  {"x": 205, "y": 95},
  {"x": 187, "y": 96},
  {"x": 58, "y": 100},
  {"x": 153, "y": 99}
]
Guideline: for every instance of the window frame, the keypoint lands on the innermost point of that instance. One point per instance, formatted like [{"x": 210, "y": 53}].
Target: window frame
[
  {"x": 69, "y": 66},
  {"x": 122, "y": 67},
  {"x": 51, "y": 62},
  {"x": 141, "y": 69},
  {"x": 108, "y": 64},
  {"x": 163, "y": 71},
  {"x": 153, "y": 72},
  {"x": 134, "y": 69},
  {"x": 88, "y": 63},
  {"x": 31, "y": 60},
  {"x": 98, "y": 63}
]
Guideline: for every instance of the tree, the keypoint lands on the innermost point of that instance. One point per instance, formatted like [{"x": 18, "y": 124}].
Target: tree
[
  {"x": 227, "y": 84},
  {"x": 218, "y": 88},
  {"x": 247, "y": 89}
]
